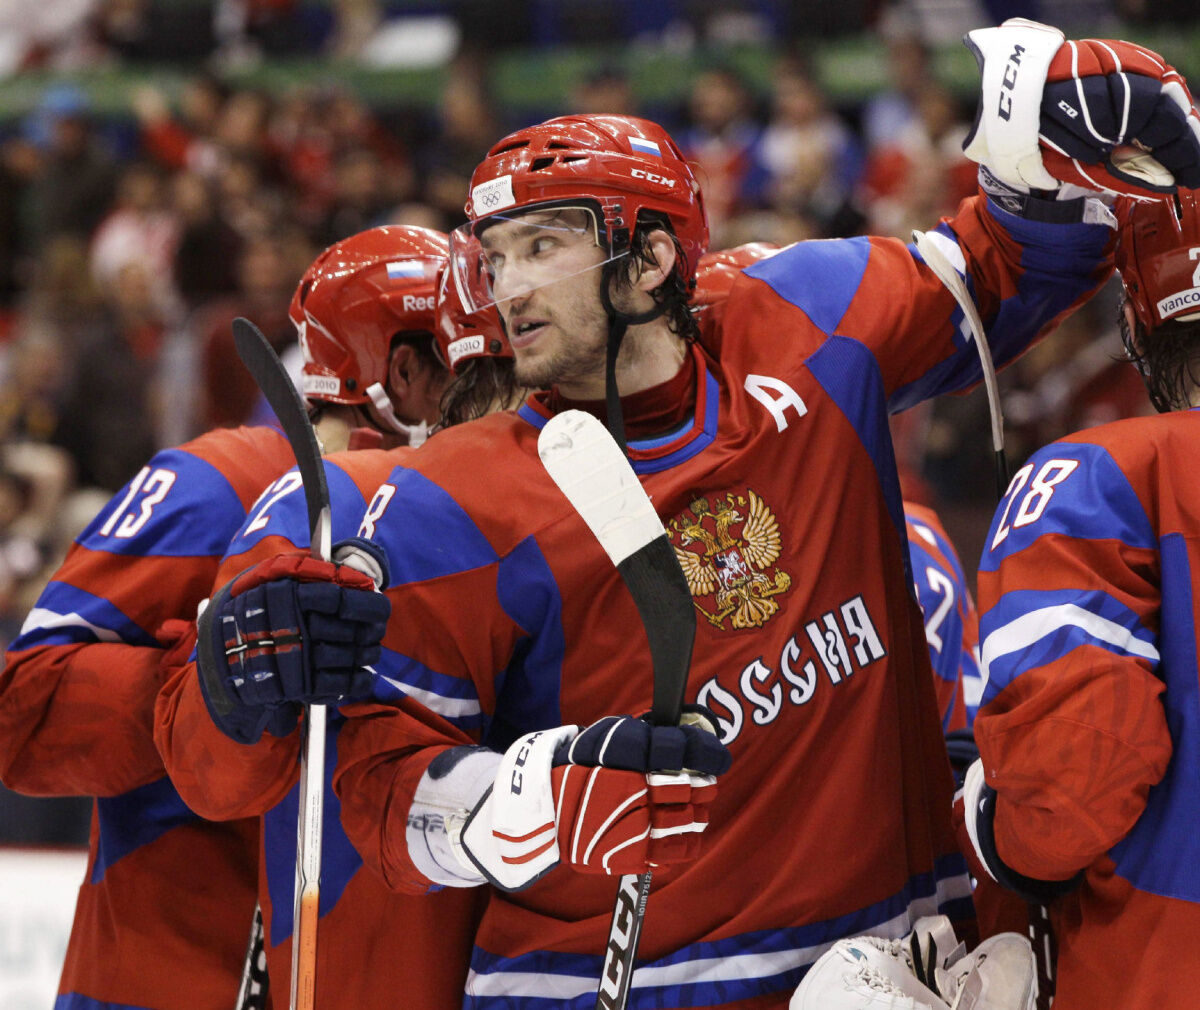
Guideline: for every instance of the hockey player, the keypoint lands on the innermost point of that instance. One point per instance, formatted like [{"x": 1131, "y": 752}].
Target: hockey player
[
  {"x": 164, "y": 912},
  {"x": 951, "y": 622},
  {"x": 767, "y": 456},
  {"x": 1086, "y": 794},
  {"x": 405, "y": 950}
]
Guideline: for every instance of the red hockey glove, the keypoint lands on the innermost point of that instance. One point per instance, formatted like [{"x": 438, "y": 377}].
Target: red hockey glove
[
  {"x": 291, "y": 630},
  {"x": 1100, "y": 114},
  {"x": 619, "y": 797}
]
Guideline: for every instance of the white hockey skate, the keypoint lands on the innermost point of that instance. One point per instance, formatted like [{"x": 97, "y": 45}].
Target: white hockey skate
[{"x": 925, "y": 970}]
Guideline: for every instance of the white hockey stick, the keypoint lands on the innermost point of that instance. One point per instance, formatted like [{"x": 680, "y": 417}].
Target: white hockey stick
[
  {"x": 589, "y": 467},
  {"x": 259, "y": 357}
]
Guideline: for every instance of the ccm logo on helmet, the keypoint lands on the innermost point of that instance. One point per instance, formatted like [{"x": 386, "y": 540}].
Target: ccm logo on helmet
[
  {"x": 661, "y": 180},
  {"x": 418, "y": 303}
]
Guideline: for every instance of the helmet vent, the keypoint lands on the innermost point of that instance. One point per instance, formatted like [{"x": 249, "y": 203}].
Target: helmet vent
[
  {"x": 539, "y": 163},
  {"x": 510, "y": 147}
]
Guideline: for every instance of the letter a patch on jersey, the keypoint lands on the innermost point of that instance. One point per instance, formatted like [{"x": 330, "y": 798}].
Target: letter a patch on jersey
[{"x": 728, "y": 549}]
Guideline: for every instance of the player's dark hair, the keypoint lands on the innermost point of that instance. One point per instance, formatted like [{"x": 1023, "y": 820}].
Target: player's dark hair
[
  {"x": 1168, "y": 359},
  {"x": 673, "y": 293},
  {"x": 422, "y": 342},
  {"x": 480, "y": 384}
]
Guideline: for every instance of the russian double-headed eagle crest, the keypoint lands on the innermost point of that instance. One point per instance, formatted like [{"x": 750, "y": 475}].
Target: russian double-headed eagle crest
[{"x": 727, "y": 549}]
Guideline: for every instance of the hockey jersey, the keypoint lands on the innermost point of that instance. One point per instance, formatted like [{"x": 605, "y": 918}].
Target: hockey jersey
[
  {"x": 951, "y": 621},
  {"x": 781, "y": 497},
  {"x": 376, "y": 949},
  {"x": 1090, "y": 727},
  {"x": 165, "y": 909}
]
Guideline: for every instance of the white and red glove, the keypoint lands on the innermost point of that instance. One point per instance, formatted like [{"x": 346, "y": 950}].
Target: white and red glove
[
  {"x": 1098, "y": 114},
  {"x": 618, "y": 797}
]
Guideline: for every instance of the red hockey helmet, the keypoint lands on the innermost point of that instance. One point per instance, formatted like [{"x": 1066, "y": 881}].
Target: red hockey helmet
[
  {"x": 620, "y": 165},
  {"x": 354, "y": 298},
  {"x": 463, "y": 335},
  {"x": 1158, "y": 256}
]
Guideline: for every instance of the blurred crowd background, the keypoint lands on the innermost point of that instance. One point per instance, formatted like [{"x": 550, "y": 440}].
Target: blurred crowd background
[{"x": 167, "y": 165}]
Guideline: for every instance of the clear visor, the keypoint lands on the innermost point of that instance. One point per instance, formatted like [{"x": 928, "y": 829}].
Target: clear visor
[{"x": 507, "y": 256}]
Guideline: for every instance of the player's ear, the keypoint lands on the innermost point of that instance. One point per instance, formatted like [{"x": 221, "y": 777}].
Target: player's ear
[
  {"x": 657, "y": 266},
  {"x": 403, "y": 367}
]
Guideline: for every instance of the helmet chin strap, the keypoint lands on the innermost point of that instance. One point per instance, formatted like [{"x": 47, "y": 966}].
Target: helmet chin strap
[
  {"x": 384, "y": 415},
  {"x": 618, "y": 324}
]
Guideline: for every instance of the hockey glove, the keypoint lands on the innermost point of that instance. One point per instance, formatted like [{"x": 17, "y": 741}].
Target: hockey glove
[
  {"x": 974, "y": 816},
  {"x": 1097, "y": 114},
  {"x": 290, "y": 631},
  {"x": 928, "y": 969},
  {"x": 619, "y": 797}
]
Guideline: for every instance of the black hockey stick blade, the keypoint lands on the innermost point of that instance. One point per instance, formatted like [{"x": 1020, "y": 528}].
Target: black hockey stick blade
[
  {"x": 587, "y": 464},
  {"x": 263, "y": 363}
]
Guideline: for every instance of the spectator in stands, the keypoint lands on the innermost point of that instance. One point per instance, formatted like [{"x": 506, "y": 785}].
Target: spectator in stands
[
  {"x": 74, "y": 182},
  {"x": 144, "y": 228},
  {"x": 807, "y": 159},
  {"x": 109, "y": 421},
  {"x": 467, "y": 126},
  {"x": 722, "y": 141},
  {"x": 269, "y": 267}
]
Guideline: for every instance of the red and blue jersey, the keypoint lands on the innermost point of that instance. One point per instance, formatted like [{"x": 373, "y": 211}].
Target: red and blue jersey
[
  {"x": 780, "y": 493},
  {"x": 951, "y": 622},
  {"x": 165, "y": 910},
  {"x": 1090, "y": 727},
  {"x": 405, "y": 950}
]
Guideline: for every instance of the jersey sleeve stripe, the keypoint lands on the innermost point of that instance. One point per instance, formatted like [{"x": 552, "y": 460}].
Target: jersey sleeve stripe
[
  {"x": 452, "y": 698},
  {"x": 67, "y": 615},
  {"x": 1042, "y": 636}
]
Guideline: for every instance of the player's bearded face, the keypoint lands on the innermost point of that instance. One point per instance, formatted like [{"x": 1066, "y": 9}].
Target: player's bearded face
[{"x": 545, "y": 270}]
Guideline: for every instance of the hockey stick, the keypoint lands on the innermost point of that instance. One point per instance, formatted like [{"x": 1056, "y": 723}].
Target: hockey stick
[
  {"x": 1041, "y": 938},
  {"x": 588, "y": 466},
  {"x": 252, "y": 993},
  {"x": 259, "y": 357}
]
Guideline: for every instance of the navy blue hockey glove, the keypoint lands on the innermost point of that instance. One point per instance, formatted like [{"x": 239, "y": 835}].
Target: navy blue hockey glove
[
  {"x": 962, "y": 751},
  {"x": 289, "y": 631},
  {"x": 621, "y": 741},
  {"x": 1096, "y": 114}
]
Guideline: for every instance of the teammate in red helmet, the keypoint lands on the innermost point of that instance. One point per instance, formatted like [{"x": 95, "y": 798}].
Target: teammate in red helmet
[
  {"x": 511, "y": 753},
  {"x": 362, "y": 318},
  {"x": 1087, "y": 794},
  {"x": 164, "y": 913}
]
